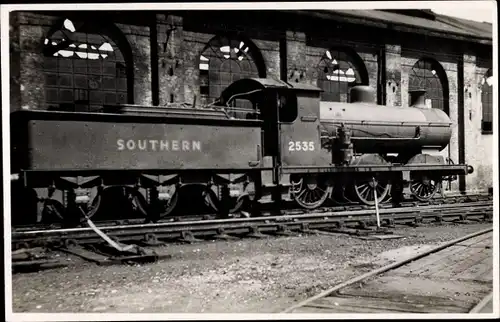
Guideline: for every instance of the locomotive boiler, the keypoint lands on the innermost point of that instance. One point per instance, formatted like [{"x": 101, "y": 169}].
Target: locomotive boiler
[
  {"x": 384, "y": 129},
  {"x": 263, "y": 139}
]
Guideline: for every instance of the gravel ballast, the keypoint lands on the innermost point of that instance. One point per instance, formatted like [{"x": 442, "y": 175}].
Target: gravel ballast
[{"x": 242, "y": 276}]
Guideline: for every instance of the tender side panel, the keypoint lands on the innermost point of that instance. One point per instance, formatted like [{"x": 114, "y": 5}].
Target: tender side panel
[{"x": 78, "y": 145}]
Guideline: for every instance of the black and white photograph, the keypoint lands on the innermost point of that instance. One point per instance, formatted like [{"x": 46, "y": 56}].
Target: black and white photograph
[{"x": 250, "y": 160}]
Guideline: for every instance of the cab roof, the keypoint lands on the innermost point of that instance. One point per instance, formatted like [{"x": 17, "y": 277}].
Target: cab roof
[{"x": 248, "y": 85}]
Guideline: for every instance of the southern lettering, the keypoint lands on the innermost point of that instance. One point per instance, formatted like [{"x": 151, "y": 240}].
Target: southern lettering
[{"x": 158, "y": 145}]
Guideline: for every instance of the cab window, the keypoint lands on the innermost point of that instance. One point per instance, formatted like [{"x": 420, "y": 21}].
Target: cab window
[{"x": 287, "y": 105}]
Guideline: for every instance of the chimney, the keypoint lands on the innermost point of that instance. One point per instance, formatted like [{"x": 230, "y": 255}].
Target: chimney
[
  {"x": 362, "y": 94},
  {"x": 417, "y": 98}
]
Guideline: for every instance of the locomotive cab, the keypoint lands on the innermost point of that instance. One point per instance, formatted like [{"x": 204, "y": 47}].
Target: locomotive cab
[{"x": 290, "y": 116}]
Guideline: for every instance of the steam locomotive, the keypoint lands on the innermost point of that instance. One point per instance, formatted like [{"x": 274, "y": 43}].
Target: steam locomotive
[{"x": 263, "y": 139}]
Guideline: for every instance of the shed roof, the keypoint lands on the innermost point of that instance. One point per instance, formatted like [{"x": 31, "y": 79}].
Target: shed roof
[{"x": 421, "y": 21}]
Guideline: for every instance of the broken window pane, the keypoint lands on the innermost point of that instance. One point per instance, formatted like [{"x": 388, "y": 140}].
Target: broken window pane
[
  {"x": 77, "y": 61},
  {"x": 428, "y": 75},
  {"x": 337, "y": 72},
  {"x": 225, "y": 60}
]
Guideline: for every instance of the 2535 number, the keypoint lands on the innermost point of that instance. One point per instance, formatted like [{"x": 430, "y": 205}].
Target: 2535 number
[{"x": 301, "y": 146}]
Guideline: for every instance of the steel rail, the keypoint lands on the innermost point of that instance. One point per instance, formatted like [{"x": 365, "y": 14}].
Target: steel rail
[
  {"x": 286, "y": 212},
  {"x": 257, "y": 219},
  {"x": 482, "y": 304},
  {"x": 243, "y": 226}
]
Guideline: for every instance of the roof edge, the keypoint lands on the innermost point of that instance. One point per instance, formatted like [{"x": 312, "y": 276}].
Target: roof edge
[{"x": 369, "y": 21}]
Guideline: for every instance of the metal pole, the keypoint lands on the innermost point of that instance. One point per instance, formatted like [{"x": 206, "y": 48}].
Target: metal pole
[{"x": 376, "y": 203}]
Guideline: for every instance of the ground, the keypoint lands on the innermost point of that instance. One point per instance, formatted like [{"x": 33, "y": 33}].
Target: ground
[{"x": 243, "y": 276}]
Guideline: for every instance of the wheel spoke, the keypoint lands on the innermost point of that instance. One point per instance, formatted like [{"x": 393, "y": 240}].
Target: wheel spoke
[
  {"x": 419, "y": 189},
  {"x": 423, "y": 188},
  {"x": 301, "y": 193},
  {"x": 363, "y": 192},
  {"x": 306, "y": 196},
  {"x": 310, "y": 198},
  {"x": 312, "y": 195},
  {"x": 366, "y": 192},
  {"x": 369, "y": 195},
  {"x": 320, "y": 191},
  {"x": 380, "y": 189}
]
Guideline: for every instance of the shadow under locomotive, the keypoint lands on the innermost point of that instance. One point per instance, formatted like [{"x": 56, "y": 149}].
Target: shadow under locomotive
[{"x": 263, "y": 140}]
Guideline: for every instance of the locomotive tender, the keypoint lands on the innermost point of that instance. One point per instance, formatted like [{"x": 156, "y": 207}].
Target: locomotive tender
[{"x": 262, "y": 139}]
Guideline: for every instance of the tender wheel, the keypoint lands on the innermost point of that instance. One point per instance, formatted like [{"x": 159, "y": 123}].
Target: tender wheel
[
  {"x": 237, "y": 197},
  {"x": 165, "y": 201},
  {"x": 310, "y": 192},
  {"x": 93, "y": 208},
  {"x": 423, "y": 187},
  {"x": 364, "y": 190}
]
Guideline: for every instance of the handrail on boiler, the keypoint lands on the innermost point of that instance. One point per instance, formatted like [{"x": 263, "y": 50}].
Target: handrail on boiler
[{"x": 416, "y": 137}]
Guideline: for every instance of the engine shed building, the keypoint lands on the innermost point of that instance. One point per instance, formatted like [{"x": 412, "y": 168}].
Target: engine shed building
[{"x": 81, "y": 60}]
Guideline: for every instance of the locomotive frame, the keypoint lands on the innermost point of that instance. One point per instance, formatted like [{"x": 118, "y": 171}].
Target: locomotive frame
[{"x": 238, "y": 154}]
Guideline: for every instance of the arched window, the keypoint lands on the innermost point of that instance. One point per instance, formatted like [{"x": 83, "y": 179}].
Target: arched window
[
  {"x": 225, "y": 60},
  {"x": 429, "y": 75},
  {"x": 338, "y": 71},
  {"x": 487, "y": 102},
  {"x": 84, "y": 69}
]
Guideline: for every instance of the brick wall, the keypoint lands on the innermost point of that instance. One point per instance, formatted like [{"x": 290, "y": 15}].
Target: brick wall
[
  {"x": 170, "y": 48},
  {"x": 196, "y": 42},
  {"x": 393, "y": 75},
  {"x": 138, "y": 38},
  {"x": 478, "y": 146},
  {"x": 15, "y": 63},
  {"x": 296, "y": 58},
  {"x": 271, "y": 55},
  {"x": 32, "y": 31}
]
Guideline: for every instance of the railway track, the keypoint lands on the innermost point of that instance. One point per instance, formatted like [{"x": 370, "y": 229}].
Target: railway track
[
  {"x": 480, "y": 210},
  {"x": 135, "y": 242},
  {"x": 287, "y": 210},
  {"x": 455, "y": 277}
]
